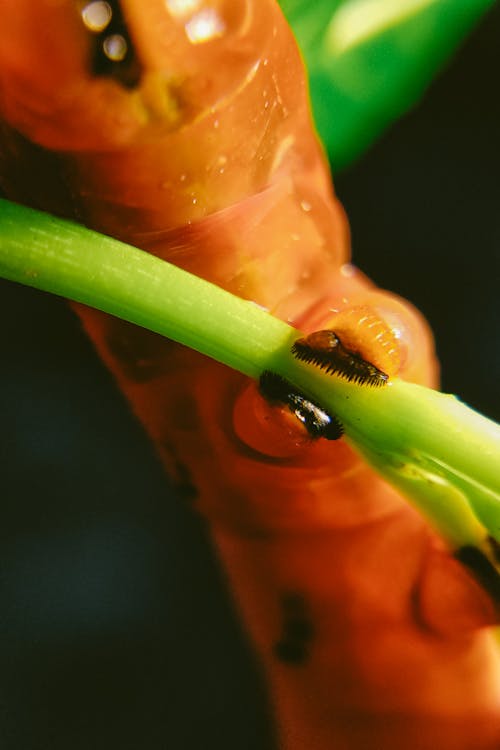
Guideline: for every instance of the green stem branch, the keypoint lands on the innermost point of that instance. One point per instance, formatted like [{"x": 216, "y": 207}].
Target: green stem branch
[{"x": 440, "y": 453}]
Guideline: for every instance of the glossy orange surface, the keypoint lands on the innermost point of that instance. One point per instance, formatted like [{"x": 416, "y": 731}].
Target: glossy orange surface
[{"x": 369, "y": 633}]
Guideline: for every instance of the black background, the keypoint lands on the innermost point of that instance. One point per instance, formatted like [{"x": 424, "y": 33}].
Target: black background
[{"x": 115, "y": 630}]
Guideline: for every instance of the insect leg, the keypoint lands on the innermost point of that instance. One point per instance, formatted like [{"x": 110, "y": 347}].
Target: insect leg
[{"x": 325, "y": 350}]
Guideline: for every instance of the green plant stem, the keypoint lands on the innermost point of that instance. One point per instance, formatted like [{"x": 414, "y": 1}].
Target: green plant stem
[
  {"x": 66, "y": 259},
  {"x": 440, "y": 453}
]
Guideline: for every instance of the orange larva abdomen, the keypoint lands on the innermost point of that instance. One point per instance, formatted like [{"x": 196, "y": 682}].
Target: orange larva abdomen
[{"x": 363, "y": 331}]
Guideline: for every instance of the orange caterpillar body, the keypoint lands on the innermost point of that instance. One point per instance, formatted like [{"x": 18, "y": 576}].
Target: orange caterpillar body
[{"x": 369, "y": 633}]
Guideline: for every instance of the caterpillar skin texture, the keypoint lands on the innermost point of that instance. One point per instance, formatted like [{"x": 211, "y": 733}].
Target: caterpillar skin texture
[
  {"x": 325, "y": 350},
  {"x": 210, "y": 161},
  {"x": 317, "y": 422}
]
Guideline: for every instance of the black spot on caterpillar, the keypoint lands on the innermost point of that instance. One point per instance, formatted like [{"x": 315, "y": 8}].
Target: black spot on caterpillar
[
  {"x": 317, "y": 422},
  {"x": 482, "y": 569},
  {"x": 183, "y": 483},
  {"x": 325, "y": 350},
  {"x": 112, "y": 51},
  {"x": 297, "y": 633}
]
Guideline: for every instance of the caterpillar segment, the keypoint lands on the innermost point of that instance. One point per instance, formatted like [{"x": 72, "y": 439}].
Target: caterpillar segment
[{"x": 198, "y": 147}]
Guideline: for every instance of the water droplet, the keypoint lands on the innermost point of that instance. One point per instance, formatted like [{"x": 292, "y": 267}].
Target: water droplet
[
  {"x": 180, "y": 8},
  {"x": 305, "y": 206},
  {"x": 347, "y": 270},
  {"x": 96, "y": 16},
  {"x": 115, "y": 47},
  {"x": 205, "y": 26}
]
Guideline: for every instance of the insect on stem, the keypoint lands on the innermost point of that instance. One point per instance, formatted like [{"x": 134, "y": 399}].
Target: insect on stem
[
  {"x": 325, "y": 350},
  {"x": 316, "y": 420}
]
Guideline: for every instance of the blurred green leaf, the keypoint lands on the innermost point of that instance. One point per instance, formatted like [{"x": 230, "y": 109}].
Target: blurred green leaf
[{"x": 370, "y": 60}]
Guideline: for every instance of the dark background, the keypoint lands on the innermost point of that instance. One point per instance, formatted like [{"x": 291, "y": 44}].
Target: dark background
[{"x": 115, "y": 631}]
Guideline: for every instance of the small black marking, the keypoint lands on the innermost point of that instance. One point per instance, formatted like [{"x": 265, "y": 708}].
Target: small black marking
[
  {"x": 290, "y": 653},
  {"x": 482, "y": 569},
  {"x": 183, "y": 483},
  {"x": 494, "y": 548},
  {"x": 112, "y": 50},
  {"x": 325, "y": 350},
  {"x": 297, "y": 633},
  {"x": 292, "y": 602},
  {"x": 299, "y": 629},
  {"x": 316, "y": 420}
]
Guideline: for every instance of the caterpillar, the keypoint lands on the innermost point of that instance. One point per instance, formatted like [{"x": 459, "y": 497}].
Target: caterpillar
[{"x": 201, "y": 150}]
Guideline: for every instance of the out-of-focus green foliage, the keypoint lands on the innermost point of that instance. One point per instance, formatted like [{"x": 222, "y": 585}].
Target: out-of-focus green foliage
[{"x": 370, "y": 60}]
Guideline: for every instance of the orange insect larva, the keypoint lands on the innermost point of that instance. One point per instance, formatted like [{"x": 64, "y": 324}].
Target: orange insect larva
[{"x": 364, "y": 332}]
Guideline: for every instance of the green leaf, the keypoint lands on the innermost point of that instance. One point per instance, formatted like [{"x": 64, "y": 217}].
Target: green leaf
[{"x": 370, "y": 60}]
